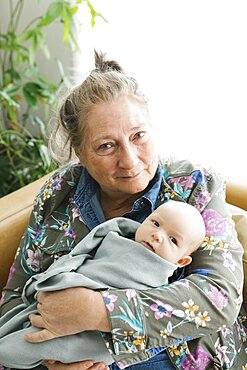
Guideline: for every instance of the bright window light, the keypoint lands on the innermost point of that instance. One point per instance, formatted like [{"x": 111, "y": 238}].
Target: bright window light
[{"x": 190, "y": 58}]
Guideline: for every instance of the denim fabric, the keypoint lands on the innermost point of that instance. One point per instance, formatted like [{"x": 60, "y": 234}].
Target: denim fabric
[
  {"x": 87, "y": 200},
  {"x": 158, "y": 362}
]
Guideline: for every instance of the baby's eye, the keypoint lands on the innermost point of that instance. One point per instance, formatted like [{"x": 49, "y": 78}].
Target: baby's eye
[
  {"x": 155, "y": 223},
  {"x": 174, "y": 240}
]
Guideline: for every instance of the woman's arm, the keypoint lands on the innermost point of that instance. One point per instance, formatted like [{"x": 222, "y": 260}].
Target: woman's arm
[{"x": 207, "y": 299}]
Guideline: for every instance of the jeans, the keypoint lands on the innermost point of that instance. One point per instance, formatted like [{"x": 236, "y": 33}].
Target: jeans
[{"x": 158, "y": 362}]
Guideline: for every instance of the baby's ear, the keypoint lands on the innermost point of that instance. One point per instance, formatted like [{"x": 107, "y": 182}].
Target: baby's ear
[{"x": 186, "y": 260}]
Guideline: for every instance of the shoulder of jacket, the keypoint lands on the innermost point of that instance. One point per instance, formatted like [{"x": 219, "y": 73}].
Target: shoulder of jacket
[
  {"x": 174, "y": 167},
  {"x": 58, "y": 187}
]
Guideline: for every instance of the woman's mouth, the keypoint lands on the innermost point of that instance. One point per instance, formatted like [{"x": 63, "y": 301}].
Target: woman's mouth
[{"x": 131, "y": 176}]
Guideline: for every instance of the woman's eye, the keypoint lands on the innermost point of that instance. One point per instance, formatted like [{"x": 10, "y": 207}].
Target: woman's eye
[
  {"x": 141, "y": 135},
  {"x": 105, "y": 148},
  {"x": 174, "y": 240},
  {"x": 155, "y": 223}
]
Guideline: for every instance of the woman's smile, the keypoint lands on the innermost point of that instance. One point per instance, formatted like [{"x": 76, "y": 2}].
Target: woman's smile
[{"x": 131, "y": 176}]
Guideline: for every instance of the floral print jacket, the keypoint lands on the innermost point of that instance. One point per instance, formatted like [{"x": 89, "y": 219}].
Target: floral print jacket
[{"x": 196, "y": 318}]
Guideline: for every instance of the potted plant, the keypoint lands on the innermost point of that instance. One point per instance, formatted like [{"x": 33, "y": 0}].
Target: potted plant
[{"x": 25, "y": 90}]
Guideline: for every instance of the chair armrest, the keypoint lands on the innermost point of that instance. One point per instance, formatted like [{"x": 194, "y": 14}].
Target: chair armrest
[
  {"x": 15, "y": 211},
  {"x": 236, "y": 194}
]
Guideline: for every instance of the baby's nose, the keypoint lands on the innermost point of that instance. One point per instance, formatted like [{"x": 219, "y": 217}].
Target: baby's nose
[{"x": 157, "y": 236}]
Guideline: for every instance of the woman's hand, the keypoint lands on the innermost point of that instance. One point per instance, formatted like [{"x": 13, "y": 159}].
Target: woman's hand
[
  {"x": 83, "y": 365},
  {"x": 68, "y": 312}
]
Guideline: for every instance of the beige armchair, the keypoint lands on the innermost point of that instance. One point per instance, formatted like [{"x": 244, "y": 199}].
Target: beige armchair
[{"x": 15, "y": 209}]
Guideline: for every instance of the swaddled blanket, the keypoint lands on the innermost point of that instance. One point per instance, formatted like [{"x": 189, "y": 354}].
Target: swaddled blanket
[{"x": 107, "y": 257}]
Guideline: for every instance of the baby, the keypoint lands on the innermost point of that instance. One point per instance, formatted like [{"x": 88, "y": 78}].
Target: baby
[{"x": 173, "y": 231}]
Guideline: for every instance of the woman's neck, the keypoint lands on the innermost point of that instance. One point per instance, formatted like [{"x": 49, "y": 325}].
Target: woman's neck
[{"x": 117, "y": 206}]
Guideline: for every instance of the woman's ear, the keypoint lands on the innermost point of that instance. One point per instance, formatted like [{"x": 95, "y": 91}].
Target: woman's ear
[
  {"x": 79, "y": 155},
  {"x": 186, "y": 260}
]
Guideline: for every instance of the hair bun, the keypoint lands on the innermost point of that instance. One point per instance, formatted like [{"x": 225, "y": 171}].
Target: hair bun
[{"x": 102, "y": 64}]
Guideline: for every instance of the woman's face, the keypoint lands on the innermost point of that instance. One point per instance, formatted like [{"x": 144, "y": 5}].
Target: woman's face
[{"x": 119, "y": 152}]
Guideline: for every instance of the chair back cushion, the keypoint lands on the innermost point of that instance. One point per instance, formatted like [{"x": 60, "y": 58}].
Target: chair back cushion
[{"x": 240, "y": 218}]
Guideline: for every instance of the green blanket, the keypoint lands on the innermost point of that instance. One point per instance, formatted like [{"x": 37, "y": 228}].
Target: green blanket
[{"x": 107, "y": 257}]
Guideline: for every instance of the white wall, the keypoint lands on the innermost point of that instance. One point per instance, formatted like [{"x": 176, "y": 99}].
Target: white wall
[{"x": 191, "y": 59}]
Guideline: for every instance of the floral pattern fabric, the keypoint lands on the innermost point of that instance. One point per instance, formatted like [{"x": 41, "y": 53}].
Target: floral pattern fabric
[{"x": 192, "y": 317}]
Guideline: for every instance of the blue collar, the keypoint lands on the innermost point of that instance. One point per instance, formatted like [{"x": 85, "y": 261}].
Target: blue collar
[{"x": 87, "y": 200}]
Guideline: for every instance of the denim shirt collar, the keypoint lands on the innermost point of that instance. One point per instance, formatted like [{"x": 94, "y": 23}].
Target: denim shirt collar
[{"x": 87, "y": 200}]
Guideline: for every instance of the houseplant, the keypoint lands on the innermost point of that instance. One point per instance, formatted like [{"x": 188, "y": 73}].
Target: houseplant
[{"x": 25, "y": 90}]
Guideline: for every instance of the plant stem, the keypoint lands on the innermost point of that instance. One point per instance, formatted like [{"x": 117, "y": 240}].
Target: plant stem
[
  {"x": 33, "y": 21},
  {"x": 15, "y": 15},
  {"x": 18, "y": 12},
  {"x": 22, "y": 129},
  {"x": 17, "y": 154},
  {"x": 2, "y": 73},
  {"x": 14, "y": 167}
]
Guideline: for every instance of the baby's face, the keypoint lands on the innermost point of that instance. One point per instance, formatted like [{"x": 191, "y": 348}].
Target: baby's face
[{"x": 171, "y": 231}]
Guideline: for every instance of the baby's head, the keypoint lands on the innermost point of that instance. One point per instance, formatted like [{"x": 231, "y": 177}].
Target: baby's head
[{"x": 173, "y": 231}]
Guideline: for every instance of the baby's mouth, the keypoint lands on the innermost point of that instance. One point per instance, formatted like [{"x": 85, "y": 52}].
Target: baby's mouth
[{"x": 148, "y": 246}]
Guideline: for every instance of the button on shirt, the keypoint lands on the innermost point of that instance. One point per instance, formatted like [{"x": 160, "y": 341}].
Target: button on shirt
[{"x": 87, "y": 201}]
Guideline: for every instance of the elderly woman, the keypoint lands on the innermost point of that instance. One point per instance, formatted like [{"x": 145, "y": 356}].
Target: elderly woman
[{"x": 192, "y": 323}]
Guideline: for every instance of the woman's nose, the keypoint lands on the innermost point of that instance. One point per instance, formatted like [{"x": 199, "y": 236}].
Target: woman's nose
[{"x": 128, "y": 157}]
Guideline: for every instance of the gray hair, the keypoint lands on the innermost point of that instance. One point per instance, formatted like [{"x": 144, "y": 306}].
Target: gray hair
[{"x": 105, "y": 83}]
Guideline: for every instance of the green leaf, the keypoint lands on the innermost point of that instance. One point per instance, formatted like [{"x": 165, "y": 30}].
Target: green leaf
[
  {"x": 64, "y": 79},
  {"x": 11, "y": 75},
  {"x": 47, "y": 89},
  {"x": 66, "y": 25},
  {"x": 31, "y": 100},
  {"x": 44, "y": 153},
  {"x": 94, "y": 14},
  {"x": 53, "y": 12},
  {"x": 22, "y": 160},
  {"x": 73, "y": 10},
  {"x": 31, "y": 92},
  {"x": 12, "y": 112},
  {"x": 3, "y": 38},
  {"x": 24, "y": 36},
  {"x": 36, "y": 121},
  {"x": 12, "y": 89},
  {"x": 4, "y": 96},
  {"x": 38, "y": 39},
  {"x": 33, "y": 87},
  {"x": 21, "y": 58},
  {"x": 45, "y": 49}
]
